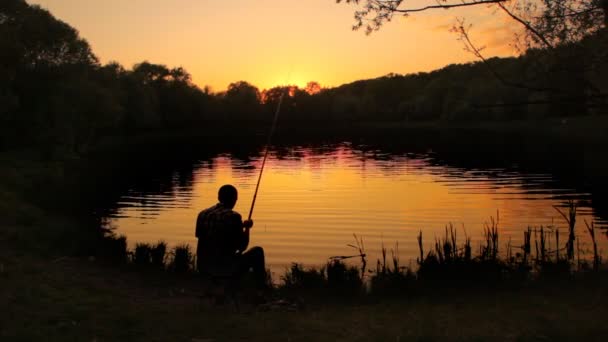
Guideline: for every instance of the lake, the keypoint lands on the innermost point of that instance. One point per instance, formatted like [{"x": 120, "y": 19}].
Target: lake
[{"x": 315, "y": 197}]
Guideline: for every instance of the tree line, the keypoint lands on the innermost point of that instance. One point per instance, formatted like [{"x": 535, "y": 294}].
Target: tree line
[{"x": 55, "y": 92}]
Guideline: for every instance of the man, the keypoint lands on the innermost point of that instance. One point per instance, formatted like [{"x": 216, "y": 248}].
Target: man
[{"x": 223, "y": 238}]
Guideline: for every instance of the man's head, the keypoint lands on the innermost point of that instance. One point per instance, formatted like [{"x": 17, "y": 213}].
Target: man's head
[{"x": 228, "y": 195}]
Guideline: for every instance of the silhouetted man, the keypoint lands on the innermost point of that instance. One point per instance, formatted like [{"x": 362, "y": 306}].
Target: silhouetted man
[{"x": 223, "y": 238}]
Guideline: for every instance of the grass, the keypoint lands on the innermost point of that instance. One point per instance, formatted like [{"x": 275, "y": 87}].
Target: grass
[
  {"x": 107, "y": 303},
  {"x": 390, "y": 278},
  {"x": 142, "y": 255},
  {"x": 158, "y": 254},
  {"x": 297, "y": 278},
  {"x": 183, "y": 259},
  {"x": 147, "y": 255},
  {"x": 449, "y": 264}
]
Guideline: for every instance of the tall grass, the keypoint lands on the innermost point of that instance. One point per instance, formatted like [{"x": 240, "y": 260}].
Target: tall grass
[
  {"x": 183, "y": 259},
  {"x": 343, "y": 279},
  {"x": 147, "y": 255},
  {"x": 448, "y": 263},
  {"x": 490, "y": 250},
  {"x": 158, "y": 254},
  {"x": 142, "y": 255},
  {"x": 449, "y": 260},
  {"x": 335, "y": 278},
  {"x": 571, "y": 220},
  {"x": 299, "y": 278},
  {"x": 113, "y": 249},
  {"x": 596, "y": 257},
  {"x": 526, "y": 248},
  {"x": 452, "y": 264},
  {"x": 391, "y": 277},
  {"x": 360, "y": 247}
]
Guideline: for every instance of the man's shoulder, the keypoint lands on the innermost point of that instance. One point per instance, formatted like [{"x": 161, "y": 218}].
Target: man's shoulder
[
  {"x": 210, "y": 209},
  {"x": 221, "y": 211}
]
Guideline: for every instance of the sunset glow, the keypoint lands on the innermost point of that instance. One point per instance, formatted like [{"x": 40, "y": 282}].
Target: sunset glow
[
  {"x": 273, "y": 42},
  {"x": 311, "y": 203}
]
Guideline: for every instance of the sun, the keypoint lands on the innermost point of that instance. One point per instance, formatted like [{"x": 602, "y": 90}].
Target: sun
[{"x": 292, "y": 78}]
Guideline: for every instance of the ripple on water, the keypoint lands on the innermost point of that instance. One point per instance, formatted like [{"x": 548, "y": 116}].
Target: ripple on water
[{"x": 312, "y": 201}]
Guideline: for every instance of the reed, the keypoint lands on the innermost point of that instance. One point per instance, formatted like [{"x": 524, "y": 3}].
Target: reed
[
  {"x": 142, "y": 256},
  {"x": 467, "y": 249},
  {"x": 343, "y": 279},
  {"x": 526, "y": 248},
  {"x": 557, "y": 244},
  {"x": 449, "y": 263},
  {"x": 490, "y": 250},
  {"x": 543, "y": 246},
  {"x": 158, "y": 254},
  {"x": 420, "y": 247},
  {"x": 596, "y": 257},
  {"x": 183, "y": 259},
  {"x": 381, "y": 266},
  {"x": 391, "y": 278},
  {"x": 113, "y": 249},
  {"x": 360, "y": 247},
  {"x": 578, "y": 254},
  {"x": 570, "y": 218},
  {"x": 543, "y": 263},
  {"x": 299, "y": 278}
]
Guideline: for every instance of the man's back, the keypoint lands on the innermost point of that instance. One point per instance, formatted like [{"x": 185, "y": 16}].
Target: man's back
[
  {"x": 223, "y": 238},
  {"x": 219, "y": 232}
]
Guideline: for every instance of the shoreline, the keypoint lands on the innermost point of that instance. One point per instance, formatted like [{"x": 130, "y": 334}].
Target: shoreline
[{"x": 53, "y": 290}]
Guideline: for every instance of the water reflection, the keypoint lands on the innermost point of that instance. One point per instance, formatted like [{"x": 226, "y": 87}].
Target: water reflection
[{"x": 314, "y": 197}]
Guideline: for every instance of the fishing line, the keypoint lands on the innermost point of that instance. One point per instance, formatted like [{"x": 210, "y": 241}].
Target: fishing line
[{"x": 270, "y": 135}]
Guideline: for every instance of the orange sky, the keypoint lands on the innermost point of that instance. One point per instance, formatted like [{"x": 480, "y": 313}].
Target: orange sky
[{"x": 260, "y": 41}]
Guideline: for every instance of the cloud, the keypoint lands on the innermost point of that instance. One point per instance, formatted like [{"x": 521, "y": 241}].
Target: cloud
[
  {"x": 499, "y": 37},
  {"x": 442, "y": 27},
  {"x": 490, "y": 27}
]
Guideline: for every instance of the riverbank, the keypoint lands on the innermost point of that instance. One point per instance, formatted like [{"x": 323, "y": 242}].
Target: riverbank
[
  {"x": 47, "y": 294},
  {"x": 584, "y": 129},
  {"x": 73, "y": 299},
  {"x": 52, "y": 289}
]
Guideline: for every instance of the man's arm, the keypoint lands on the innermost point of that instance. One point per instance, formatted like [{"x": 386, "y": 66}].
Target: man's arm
[
  {"x": 244, "y": 238},
  {"x": 199, "y": 225},
  {"x": 241, "y": 235},
  {"x": 245, "y": 227}
]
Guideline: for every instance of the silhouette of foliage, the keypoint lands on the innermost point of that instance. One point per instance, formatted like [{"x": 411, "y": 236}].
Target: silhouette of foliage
[
  {"x": 547, "y": 22},
  {"x": 241, "y": 99},
  {"x": 57, "y": 97}
]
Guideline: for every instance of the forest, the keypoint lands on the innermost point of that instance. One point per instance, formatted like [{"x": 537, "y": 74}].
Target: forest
[{"x": 55, "y": 92}]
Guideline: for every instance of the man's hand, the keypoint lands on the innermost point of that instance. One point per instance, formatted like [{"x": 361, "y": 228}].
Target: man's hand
[{"x": 248, "y": 224}]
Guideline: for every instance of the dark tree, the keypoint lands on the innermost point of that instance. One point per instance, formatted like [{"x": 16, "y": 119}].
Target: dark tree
[
  {"x": 34, "y": 38},
  {"x": 242, "y": 100}
]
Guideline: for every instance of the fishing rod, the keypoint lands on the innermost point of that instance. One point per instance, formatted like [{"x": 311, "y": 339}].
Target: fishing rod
[{"x": 267, "y": 148}]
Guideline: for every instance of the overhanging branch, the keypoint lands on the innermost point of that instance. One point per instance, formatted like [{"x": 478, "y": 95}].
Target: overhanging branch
[
  {"x": 383, "y": 5},
  {"x": 527, "y": 25},
  {"x": 464, "y": 36}
]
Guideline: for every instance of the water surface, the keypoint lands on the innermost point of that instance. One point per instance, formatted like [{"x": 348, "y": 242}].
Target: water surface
[{"x": 314, "y": 199}]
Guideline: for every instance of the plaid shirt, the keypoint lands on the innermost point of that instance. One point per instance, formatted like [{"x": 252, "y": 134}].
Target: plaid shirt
[{"x": 220, "y": 236}]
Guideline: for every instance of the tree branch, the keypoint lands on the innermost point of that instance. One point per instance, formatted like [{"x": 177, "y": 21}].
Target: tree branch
[
  {"x": 440, "y": 6},
  {"x": 569, "y": 14},
  {"x": 464, "y": 36},
  {"x": 527, "y": 25}
]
